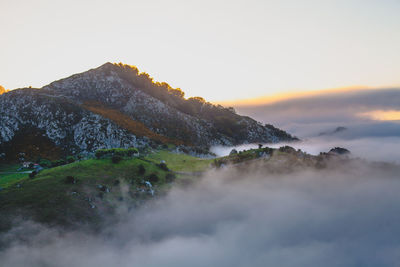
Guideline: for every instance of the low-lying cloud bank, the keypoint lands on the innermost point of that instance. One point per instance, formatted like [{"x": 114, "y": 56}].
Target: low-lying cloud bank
[
  {"x": 309, "y": 116},
  {"x": 346, "y": 215},
  {"x": 371, "y": 148}
]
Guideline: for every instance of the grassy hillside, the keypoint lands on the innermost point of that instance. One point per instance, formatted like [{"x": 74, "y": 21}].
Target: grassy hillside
[
  {"x": 84, "y": 192},
  {"x": 8, "y": 175},
  {"x": 181, "y": 162},
  {"x": 93, "y": 188}
]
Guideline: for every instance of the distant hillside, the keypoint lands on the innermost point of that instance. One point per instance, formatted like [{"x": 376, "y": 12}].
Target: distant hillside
[{"x": 115, "y": 105}]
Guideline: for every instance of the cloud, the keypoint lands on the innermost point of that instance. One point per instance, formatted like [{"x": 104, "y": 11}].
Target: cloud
[
  {"x": 310, "y": 115},
  {"x": 345, "y": 215},
  {"x": 378, "y": 148}
]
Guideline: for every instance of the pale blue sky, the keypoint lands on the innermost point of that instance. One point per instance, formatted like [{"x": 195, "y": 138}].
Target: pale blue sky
[{"x": 221, "y": 50}]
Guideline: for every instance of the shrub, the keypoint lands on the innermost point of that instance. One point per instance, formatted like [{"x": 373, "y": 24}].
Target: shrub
[
  {"x": 153, "y": 178},
  {"x": 45, "y": 163},
  {"x": 131, "y": 151},
  {"x": 32, "y": 174},
  {"x": 163, "y": 166},
  {"x": 141, "y": 169},
  {"x": 70, "y": 180},
  {"x": 170, "y": 177},
  {"x": 287, "y": 149},
  {"x": 59, "y": 162},
  {"x": 219, "y": 162},
  {"x": 119, "y": 152},
  {"x": 339, "y": 151},
  {"x": 116, "y": 158},
  {"x": 233, "y": 152},
  {"x": 70, "y": 159},
  {"x": 100, "y": 153}
]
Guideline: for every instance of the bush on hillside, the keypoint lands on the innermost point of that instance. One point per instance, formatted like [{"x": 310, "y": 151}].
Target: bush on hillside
[
  {"x": 163, "y": 166},
  {"x": 70, "y": 180},
  {"x": 100, "y": 153},
  {"x": 233, "y": 152},
  {"x": 59, "y": 162},
  {"x": 70, "y": 159},
  {"x": 118, "y": 152},
  {"x": 116, "y": 159},
  {"x": 141, "y": 169},
  {"x": 153, "y": 178},
  {"x": 130, "y": 152},
  {"x": 32, "y": 174},
  {"x": 45, "y": 163}
]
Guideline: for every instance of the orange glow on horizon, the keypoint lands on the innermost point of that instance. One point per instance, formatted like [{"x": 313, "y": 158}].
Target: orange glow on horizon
[
  {"x": 2, "y": 90},
  {"x": 290, "y": 95},
  {"x": 382, "y": 115}
]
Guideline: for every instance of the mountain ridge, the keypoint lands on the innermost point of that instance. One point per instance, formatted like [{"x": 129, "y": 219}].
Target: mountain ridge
[{"x": 115, "y": 105}]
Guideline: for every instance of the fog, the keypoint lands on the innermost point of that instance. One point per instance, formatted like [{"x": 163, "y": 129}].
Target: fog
[
  {"x": 344, "y": 215},
  {"x": 315, "y": 119},
  {"x": 372, "y": 148}
]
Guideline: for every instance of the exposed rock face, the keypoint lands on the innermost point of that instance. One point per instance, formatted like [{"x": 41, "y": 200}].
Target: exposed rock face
[
  {"x": 67, "y": 125},
  {"x": 59, "y": 110}
]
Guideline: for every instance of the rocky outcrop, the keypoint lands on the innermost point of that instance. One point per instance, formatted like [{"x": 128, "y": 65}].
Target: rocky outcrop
[{"x": 68, "y": 125}]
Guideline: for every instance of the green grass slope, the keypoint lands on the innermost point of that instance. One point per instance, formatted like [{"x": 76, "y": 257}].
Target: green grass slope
[
  {"x": 9, "y": 175},
  {"x": 97, "y": 187},
  {"x": 181, "y": 162}
]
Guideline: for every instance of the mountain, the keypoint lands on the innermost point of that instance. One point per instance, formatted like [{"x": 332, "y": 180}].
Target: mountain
[
  {"x": 338, "y": 129},
  {"x": 115, "y": 105}
]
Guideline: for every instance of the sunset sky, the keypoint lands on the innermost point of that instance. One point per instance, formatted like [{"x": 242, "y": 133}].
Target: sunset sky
[{"x": 220, "y": 50}]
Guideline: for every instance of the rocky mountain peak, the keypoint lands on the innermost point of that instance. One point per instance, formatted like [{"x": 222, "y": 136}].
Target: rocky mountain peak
[{"x": 115, "y": 105}]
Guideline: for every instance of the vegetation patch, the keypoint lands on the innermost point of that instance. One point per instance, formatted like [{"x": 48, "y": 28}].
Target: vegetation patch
[
  {"x": 181, "y": 162},
  {"x": 106, "y": 153},
  {"x": 77, "y": 192},
  {"x": 11, "y": 174},
  {"x": 30, "y": 143}
]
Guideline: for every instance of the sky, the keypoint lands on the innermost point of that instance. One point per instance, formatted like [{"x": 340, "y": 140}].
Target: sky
[{"x": 220, "y": 50}]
